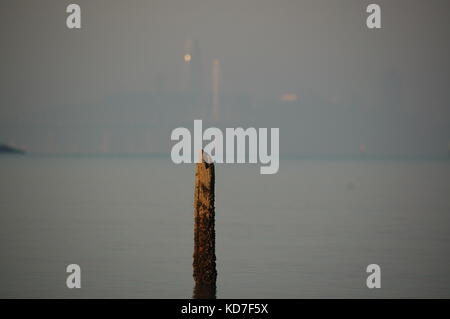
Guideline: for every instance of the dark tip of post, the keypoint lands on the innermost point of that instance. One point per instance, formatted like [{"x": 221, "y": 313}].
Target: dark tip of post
[{"x": 204, "y": 264}]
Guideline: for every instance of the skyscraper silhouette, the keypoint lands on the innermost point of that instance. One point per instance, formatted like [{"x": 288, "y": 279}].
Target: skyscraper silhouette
[
  {"x": 193, "y": 79},
  {"x": 215, "y": 90}
]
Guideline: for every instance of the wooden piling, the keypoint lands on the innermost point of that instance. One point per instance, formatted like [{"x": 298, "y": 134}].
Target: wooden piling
[{"x": 204, "y": 264}]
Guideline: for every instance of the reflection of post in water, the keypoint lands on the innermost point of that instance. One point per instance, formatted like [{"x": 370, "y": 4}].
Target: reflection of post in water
[{"x": 205, "y": 273}]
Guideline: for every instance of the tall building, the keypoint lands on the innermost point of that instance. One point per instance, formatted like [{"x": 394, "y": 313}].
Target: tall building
[
  {"x": 215, "y": 90},
  {"x": 192, "y": 75},
  {"x": 187, "y": 58},
  {"x": 193, "y": 80}
]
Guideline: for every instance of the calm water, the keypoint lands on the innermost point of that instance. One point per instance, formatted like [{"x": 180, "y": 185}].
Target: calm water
[{"x": 309, "y": 231}]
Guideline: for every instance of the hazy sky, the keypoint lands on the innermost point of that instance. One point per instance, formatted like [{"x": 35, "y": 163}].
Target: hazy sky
[{"x": 119, "y": 84}]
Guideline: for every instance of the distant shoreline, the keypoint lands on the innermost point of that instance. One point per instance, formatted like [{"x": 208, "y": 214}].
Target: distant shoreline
[
  {"x": 7, "y": 149},
  {"x": 283, "y": 157}
]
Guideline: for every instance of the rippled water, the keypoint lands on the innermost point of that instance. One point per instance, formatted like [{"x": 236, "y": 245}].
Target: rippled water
[{"x": 308, "y": 231}]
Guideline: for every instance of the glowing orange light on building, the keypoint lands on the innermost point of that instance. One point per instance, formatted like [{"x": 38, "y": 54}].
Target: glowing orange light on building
[{"x": 289, "y": 97}]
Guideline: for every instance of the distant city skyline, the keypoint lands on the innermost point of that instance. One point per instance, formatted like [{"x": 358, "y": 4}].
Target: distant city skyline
[{"x": 135, "y": 71}]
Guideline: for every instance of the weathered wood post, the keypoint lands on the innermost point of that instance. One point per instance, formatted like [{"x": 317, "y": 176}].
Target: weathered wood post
[{"x": 204, "y": 265}]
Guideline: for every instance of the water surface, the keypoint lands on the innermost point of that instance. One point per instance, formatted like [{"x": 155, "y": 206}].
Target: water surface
[{"x": 308, "y": 231}]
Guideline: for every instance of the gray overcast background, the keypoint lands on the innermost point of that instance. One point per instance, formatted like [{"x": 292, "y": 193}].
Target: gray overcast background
[{"x": 120, "y": 84}]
